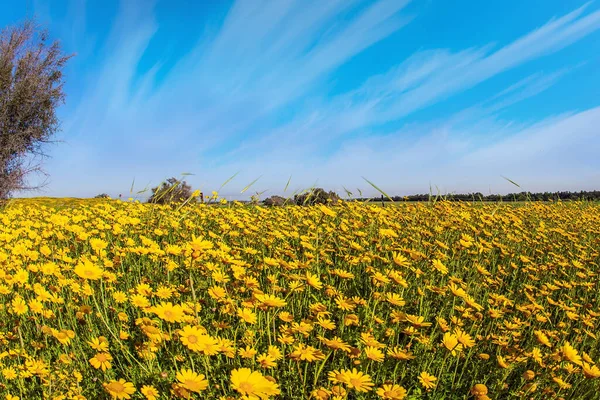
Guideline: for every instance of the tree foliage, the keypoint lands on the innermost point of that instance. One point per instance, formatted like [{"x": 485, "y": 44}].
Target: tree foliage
[
  {"x": 171, "y": 190},
  {"x": 275, "y": 201},
  {"x": 593, "y": 195},
  {"x": 316, "y": 196},
  {"x": 31, "y": 90}
]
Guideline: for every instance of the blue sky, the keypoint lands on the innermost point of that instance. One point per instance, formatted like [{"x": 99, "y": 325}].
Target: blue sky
[{"x": 409, "y": 94}]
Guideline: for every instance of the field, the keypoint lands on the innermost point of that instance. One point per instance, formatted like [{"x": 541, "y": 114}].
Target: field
[{"x": 441, "y": 300}]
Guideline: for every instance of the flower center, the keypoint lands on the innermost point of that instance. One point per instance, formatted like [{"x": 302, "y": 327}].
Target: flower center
[
  {"x": 192, "y": 385},
  {"x": 246, "y": 387},
  {"x": 192, "y": 339},
  {"x": 356, "y": 382},
  {"x": 116, "y": 387}
]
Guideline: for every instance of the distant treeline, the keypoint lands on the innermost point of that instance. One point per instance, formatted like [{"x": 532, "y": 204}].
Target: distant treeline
[{"x": 522, "y": 196}]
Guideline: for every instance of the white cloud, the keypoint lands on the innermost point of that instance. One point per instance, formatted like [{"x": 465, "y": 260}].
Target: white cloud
[{"x": 557, "y": 153}]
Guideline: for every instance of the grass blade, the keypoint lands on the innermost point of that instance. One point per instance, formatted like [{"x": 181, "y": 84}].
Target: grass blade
[
  {"x": 378, "y": 189},
  {"x": 511, "y": 181},
  {"x": 250, "y": 185},
  {"x": 228, "y": 180}
]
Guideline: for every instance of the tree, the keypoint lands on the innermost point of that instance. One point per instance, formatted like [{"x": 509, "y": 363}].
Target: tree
[
  {"x": 172, "y": 190},
  {"x": 316, "y": 196},
  {"x": 275, "y": 201},
  {"x": 31, "y": 89}
]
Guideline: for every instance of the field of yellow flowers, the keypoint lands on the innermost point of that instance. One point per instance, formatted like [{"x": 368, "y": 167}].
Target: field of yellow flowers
[{"x": 441, "y": 300}]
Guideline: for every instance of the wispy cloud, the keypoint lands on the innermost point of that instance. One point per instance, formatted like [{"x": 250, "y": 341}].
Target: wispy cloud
[
  {"x": 251, "y": 96},
  {"x": 434, "y": 75}
]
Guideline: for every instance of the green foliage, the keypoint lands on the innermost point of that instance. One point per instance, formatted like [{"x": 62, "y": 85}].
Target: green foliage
[
  {"x": 275, "y": 201},
  {"x": 593, "y": 195},
  {"x": 170, "y": 191},
  {"x": 316, "y": 196}
]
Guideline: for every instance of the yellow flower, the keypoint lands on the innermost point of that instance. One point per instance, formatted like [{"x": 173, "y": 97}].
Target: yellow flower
[
  {"x": 169, "y": 312},
  {"x": 400, "y": 260},
  {"x": 351, "y": 319},
  {"x": 285, "y": 316},
  {"x": 306, "y": 353},
  {"x": 266, "y": 361},
  {"x": 253, "y": 384},
  {"x": 357, "y": 380},
  {"x": 313, "y": 280},
  {"x": 101, "y": 360},
  {"x": 19, "y": 306},
  {"x": 450, "y": 341},
  {"x": 464, "y": 338},
  {"x": 120, "y": 389},
  {"x": 374, "y": 354},
  {"x": 326, "y": 323},
  {"x": 542, "y": 338},
  {"x": 438, "y": 265},
  {"x": 528, "y": 375},
  {"x": 164, "y": 292},
  {"x": 88, "y": 270},
  {"x": 336, "y": 343},
  {"x": 9, "y": 373},
  {"x": 190, "y": 337},
  {"x": 139, "y": 300},
  {"x": 417, "y": 321},
  {"x": 217, "y": 292},
  {"x": 320, "y": 393},
  {"x": 345, "y": 304},
  {"x": 192, "y": 381},
  {"x": 327, "y": 211},
  {"x": 248, "y": 352},
  {"x": 501, "y": 362},
  {"x": 99, "y": 343},
  {"x": 199, "y": 245},
  {"x": 119, "y": 297},
  {"x": 271, "y": 300},
  {"x": 391, "y": 392},
  {"x": 98, "y": 245},
  {"x": 400, "y": 354},
  {"x": 274, "y": 352},
  {"x": 150, "y": 392},
  {"x": 336, "y": 376},
  {"x": 479, "y": 390},
  {"x": 427, "y": 380},
  {"x": 64, "y": 336},
  {"x": 395, "y": 299},
  {"x": 196, "y": 340},
  {"x": 569, "y": 353},
  {"x": 561, "y": 383},
  {"x": 591, "y": 371},
  {"x": 247, "y": 315}
]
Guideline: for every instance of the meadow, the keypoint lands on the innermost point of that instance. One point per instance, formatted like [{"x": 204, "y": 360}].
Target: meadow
[{"x": 115, "y": 299}]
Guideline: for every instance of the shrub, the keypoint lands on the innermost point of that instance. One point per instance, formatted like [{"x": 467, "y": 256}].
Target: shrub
[
  {"x": 172, "y": 190},
  {"x": 316, "y": 196},
  {"x": 102, "y": 196},
  {"x": 276, "y": 201}
]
